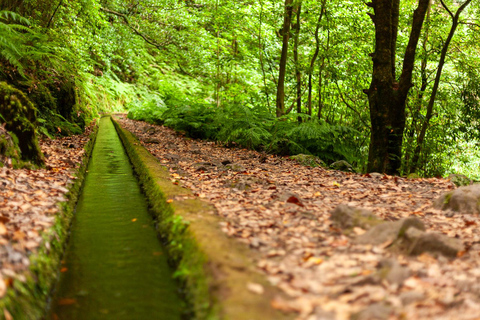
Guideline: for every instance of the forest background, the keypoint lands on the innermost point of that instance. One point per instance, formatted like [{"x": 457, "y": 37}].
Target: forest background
[{"x": 389, "y": 86}]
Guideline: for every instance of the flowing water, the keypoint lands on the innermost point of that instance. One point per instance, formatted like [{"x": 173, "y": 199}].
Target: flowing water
[{"x": 115, "y": 267}]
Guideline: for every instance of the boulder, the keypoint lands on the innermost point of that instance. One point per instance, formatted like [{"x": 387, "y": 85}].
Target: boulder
[
  {"x": 460, "y": 180},
  {"x": 20, "y": 117},
  {"x": 9, "y": 152},
  {"x": 342, "y": 165},
  {"x": 464, "y": 199},
  {"x": 389, "y": 231},
  {"x": 416, "y": 242},
  {"x": 346, "y": 217},
  {"x": 376, "y": 311},
  {"x": 309, "y": 160}
]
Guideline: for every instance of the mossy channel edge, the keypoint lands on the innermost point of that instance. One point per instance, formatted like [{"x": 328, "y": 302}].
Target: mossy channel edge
[{"x": 212, "y": 268}]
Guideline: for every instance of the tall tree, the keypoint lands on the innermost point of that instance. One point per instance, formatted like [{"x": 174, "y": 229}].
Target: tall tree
[
  {"x": 421, "y": 137},
  {"x": 287, "y": 18},
  {"x": 387, "y": 96}
]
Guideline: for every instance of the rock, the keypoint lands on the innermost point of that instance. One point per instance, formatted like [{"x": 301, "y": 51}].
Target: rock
[
  {"x": 464, "y": 199},
  {"x": 172, "y": 157},
  {"x": 309, "y": 160},
  {"x": 376, "y": 311},
  {"x": 342, "y": 165},
  {"x": 409, "y": 297},
  {"x": 346, "y": 217},
  {"x": 460, "y": 180},
  {"x": 417, "y": 242},
  {"x": 20, "y": 118},
  {"x": 235, "y": 167},
  {"x": 204, "y": 166},
  {"x": 9, "y": 151},
  {"x": 376, "y": 175},
  {"x": 389, "y": 231},
  {"x": 392, "y": 271},
  {"x": 152, "y": 140},
  {"x": 320, "y": 314}
]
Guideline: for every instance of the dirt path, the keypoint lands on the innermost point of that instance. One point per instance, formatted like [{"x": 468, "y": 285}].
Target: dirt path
[{"x": 282, "y": 209}]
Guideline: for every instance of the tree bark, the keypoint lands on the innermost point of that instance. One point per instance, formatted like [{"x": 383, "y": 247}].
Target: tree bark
[
  {"x": 314, "y": 58},
  {"x": 280, "y": 102},
  {"x": 386, "y": 96},
  {"x": 298, "y": 73}
]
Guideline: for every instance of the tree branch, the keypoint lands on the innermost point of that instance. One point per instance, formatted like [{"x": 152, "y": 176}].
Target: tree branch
[{"x": 127, "y": 22}]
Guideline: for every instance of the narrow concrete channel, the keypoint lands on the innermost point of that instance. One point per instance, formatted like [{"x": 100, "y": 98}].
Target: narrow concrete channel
[{"x": 114, "y": 267}]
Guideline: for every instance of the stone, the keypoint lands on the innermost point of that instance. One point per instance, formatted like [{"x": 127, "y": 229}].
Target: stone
[
  {"x": 417, "y": 242},
  {"x": 376, "y": 311},
  {"x": 235, "y": 167},
  {"x": 309, "y": 160},
  {"x": 20, "y": 117},
  {"x": 389, "y": 231},
  {"x": 460, "y": 180},
  {"x": 342, "y": 165},
  {"x": 392, "y": 271},
  {"x": 410, "y": 297},
  {"x": 463, "y": 199},
  {"x": 346, "y": 217}
]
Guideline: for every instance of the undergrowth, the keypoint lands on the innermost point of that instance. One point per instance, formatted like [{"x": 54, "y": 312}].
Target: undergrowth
[{"x": 253, "y": 127}]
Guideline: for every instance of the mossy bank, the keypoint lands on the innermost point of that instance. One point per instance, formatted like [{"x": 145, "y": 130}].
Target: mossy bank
[
  {"x": 213, "y": 269},
  {"x": 29, "y": 299}
]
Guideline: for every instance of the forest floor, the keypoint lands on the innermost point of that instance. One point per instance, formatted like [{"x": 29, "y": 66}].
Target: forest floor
[
  {"x": 29, "y": 203},
  {"x": 281, "y": 210}
]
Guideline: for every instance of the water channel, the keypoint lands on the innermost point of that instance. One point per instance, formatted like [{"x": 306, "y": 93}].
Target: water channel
[{"x": 114, "y": 267}]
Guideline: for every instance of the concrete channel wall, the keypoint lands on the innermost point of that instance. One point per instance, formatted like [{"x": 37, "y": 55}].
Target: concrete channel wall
[{"x": 213, "y": 269}]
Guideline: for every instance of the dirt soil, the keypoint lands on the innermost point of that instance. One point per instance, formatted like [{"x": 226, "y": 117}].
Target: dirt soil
[{"x": 282, "y": 210}]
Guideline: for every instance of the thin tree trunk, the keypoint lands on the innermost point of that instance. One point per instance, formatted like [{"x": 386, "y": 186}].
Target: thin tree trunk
[
  {"x": 298, "y": 73},
  {"x": 260, "y": 55},
  {"x": 314, "y": 58},
  {"x": 441, "y": 63},
  {"x": 320, "y": 79},
  {"x": 280, "y": 103}
]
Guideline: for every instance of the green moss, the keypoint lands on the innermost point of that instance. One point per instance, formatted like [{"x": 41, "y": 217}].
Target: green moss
[
  {"x": 28, "y": 300},
  {"x": 20, "y": 118}
]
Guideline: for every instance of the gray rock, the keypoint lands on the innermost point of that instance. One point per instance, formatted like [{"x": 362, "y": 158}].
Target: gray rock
[
  {"x": 346, "y": 217},
  {"x": 309, "y": 160},
  {"x": 417, "y": 242},
  {"x": 410, "y": 297},
  {"x": 204, "y": 166},
  {"x": 392, "y": 271},
  {"x": 389, "y": 231},
  {"x": 464, "y": 199},
  {"x": 460, "y": 180},
  {"x": 376, "y": 311},
  {"x": 152, "y": 140},
  {"x": 342, "y": 165},
  {"x": 235, "y": 167}
]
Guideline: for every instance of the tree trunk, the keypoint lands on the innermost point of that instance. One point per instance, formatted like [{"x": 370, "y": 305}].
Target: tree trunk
[
  {"x": 421, "y": 136},
  {"x": 314, "y": 58},
  {"x": 280, "y": 104},
  {"x": 298, "y": 73},
  {"x": 386, "y": 97}
]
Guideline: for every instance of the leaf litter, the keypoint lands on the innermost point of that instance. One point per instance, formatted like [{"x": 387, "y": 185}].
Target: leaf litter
[
  {"x": 282, "y": 210},
  {"x": 29, "y": 203}
]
